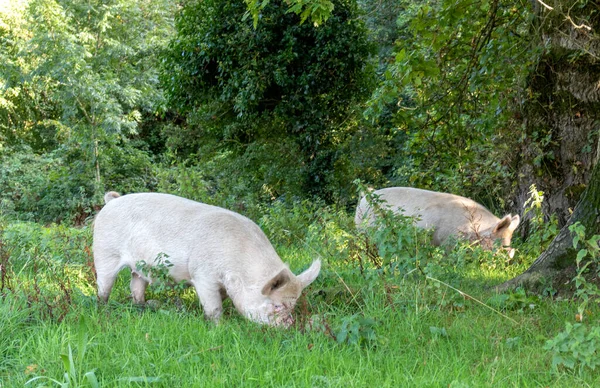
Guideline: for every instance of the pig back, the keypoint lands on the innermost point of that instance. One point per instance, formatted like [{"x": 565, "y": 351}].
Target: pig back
[
  {"x": 447, "y": 214},
  {"x": 194, "y": 235}
]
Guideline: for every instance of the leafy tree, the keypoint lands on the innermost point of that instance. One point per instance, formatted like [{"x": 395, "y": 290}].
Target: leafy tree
[
  {"x": 86, "y": 76},
  {"x": 19, "y": 105},
  {"x": 489, "y": 89},
  {"x": 317, "y": 10},
  {"x": 281, "y": 97},
  {"x": 453, "y": 72},
  {"x": 92, "y": 54}
]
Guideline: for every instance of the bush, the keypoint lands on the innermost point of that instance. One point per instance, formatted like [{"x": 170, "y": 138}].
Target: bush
[
  {"x": 60, "y": 186},
  {"x": 23, "y": 177},
  {"x": 279, "y": 102}
]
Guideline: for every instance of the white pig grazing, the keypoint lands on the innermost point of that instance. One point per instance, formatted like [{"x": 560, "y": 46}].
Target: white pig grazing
[
  {"x": 219, "y": 252},
  {"x": 447, "y": 214}
]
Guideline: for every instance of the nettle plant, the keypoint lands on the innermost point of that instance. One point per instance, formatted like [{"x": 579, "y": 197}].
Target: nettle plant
[
  {"x": 159, "y": 273},
  {"x": 588, "y": 259},
  {"x": 579, "y": 344},
  {"x": 541, "y": 230},
  {"x": 358, "y": 330},
  {"x": 392, "y": 242}
]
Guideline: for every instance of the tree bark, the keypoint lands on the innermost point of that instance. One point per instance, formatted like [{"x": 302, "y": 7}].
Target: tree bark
[{"x": 561, "y": 254}]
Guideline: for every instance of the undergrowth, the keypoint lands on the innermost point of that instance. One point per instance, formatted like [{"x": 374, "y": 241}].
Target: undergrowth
[
  {"x": 380, "y": 288},
  {"x": 578, "y": 346}
]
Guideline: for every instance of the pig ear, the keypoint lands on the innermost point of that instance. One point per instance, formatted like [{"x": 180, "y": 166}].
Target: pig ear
[
  {"x": 277, "y": 282},
  {"x": 514, "y": 222},
  {"x": 507, "y": 222},
  {"x": 310, "y": 274},
  {"x": 502, "y": 224}
]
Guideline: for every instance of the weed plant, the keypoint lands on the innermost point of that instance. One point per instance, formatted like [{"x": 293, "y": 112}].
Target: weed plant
[{"x": 578, "y": 346}]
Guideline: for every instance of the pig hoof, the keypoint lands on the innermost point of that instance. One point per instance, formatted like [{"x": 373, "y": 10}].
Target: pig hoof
[
  {"x": 214, "y": 316},
  {"x": 153, "y": 304}
]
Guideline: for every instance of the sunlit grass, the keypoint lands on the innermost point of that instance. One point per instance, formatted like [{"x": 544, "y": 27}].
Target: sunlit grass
[{"x": 478, "y": 348}]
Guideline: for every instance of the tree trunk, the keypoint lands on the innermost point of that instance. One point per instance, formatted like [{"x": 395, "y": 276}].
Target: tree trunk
[
  {"x": 559, "y": 150},
  {"x": 561, "y": 110},
  {"x": 560, "y": 253}
]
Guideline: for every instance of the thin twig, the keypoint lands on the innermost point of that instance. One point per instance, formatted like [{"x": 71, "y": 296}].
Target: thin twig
[
  {"x": 578, "y": 26},
  {"x": 545, "y": 5},
  {"x": 464, "y": 294}
]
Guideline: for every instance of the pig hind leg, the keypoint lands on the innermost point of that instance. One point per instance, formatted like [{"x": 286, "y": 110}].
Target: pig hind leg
[
  {"x": 105, "y": 278},
  {"x": 107, "y": 268},
  {"x": 138, "y": 288}
]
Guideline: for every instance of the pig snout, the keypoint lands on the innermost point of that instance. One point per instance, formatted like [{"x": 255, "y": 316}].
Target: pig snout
[
  {"x": 510, "y": 251},
  {"x": 283, "y": 317}
]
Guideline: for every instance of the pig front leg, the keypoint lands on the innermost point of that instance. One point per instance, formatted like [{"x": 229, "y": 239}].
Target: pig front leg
[{"x": 210, "y": 299}]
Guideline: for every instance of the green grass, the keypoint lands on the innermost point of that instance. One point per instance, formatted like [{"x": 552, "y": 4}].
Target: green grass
[{"x": 409, "y": 332}]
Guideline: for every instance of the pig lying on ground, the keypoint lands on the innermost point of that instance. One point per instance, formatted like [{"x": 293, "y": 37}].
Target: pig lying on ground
[
  {"x": 447, "y": 214},
  {"x": 219, "y": 252}
]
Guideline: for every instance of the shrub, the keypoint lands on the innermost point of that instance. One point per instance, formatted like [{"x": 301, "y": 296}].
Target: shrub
[
  {"x": 59, "y": 186},
  {"x": 279, "y": 101},
  {"x": 579, "y": 344},
  {"x": 47, "y": 266}
]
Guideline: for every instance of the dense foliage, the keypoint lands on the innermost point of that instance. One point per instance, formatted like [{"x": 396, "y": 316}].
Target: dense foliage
[
  {"x": 453, "y": 77},
  {"x": 80, "y": 78},
  {"x": 273, "y": 109},
  {"x": 252, "y": 95},
  {"x": 208, "y": 102}
]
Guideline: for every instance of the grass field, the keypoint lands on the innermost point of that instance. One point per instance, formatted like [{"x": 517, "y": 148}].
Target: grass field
[{"x": 373, "y": 327}]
